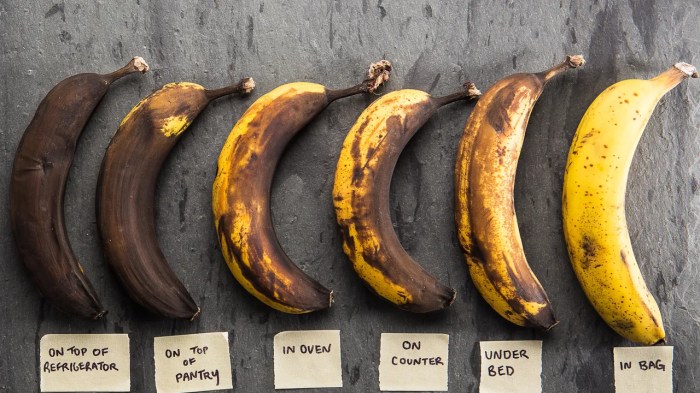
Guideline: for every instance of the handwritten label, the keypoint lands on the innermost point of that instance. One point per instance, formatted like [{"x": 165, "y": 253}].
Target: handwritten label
[
  {"x": 643, "y": 369},
  {"x": 511, "y": 367},
  {"x": 85, "y": 362},
  {"x": 192, "y": 363},
  {"x": 308, "y": 359},
  {"x": 413, "y": 362}
]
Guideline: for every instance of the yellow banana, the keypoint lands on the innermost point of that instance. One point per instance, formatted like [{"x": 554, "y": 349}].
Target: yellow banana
[
  {"x": 484, "y": 212},
  {"x": 593, "y": 202},
  {"x": 361, "y": 198}
]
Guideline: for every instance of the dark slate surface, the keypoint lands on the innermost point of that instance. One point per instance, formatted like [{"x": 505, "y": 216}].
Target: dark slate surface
[{"x": 435, "y": 45}]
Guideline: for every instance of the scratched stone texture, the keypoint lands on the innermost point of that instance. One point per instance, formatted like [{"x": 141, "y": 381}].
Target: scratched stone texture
[{"x": 435, "y": 46}]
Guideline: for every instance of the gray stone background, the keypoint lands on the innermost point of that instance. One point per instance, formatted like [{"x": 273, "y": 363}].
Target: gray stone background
[{"x": 435, "y": 46}]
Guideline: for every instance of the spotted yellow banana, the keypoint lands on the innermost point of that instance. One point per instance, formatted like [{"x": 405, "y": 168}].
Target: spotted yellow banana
[{"x": 595, "y": 181}]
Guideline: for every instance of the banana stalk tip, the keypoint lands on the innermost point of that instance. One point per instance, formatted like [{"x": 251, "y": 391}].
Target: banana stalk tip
[
  {"x": 139, "y": 64},
  {"x": 575, "y": 61},
  {"x": 247, "y": 85},
  {"x": 378, "y": 74},
  {"x": 196, "y": 314},
  {"x": 472, "y": 90},
  {"x": 244, "y": 86},
  {"x": 550, "y": 327},
  {"x": 572, "y": 61},
  {"x": 688, "y": 69}
]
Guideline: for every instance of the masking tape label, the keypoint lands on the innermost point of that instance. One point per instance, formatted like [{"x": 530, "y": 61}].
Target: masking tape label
[
  {"x": 192, "y": 363},
  {"x": 85, "y": 362},
  {"x": 511, "y": 367},
  {"x": 308, "y": 359},
  {"x": 643, "y": 369},
  {"x": 412, "y": 362}
]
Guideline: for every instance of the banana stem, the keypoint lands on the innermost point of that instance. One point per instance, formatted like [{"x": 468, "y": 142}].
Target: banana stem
[
  {"x": 377, "y": 75},
  {"x": 470, "y": 92},
  {"x": 575, "y": 61},
  {"x": 137, "y": 64},
  {"x": 350, "y": 91},
  {"x": 244, "y": 86},
  {"x": 673, "y": 76}
]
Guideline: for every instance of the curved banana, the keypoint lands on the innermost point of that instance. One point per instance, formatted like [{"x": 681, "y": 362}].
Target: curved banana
[
  {"x": 38, "y": 182},
  {"x": 126, "y": 193},
  {"x": 484, "y": 211},
  {"x": 593, "y": 203},
  {"x": 241, "y": 192},
  {"x": 361, "y": 199}
]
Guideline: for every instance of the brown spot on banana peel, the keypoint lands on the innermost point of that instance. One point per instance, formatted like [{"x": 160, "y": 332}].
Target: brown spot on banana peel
[
  {"x": 373, "y": 162},
  {"x": 355, "y": 152},
  {"x": 502, "y": 120},
  {"x": 590, "y": 249},
  {"x": 306, "y": 294},
  {"x": 622, "y": 325},
  {"x": 541, "y": 319},
  {"x": 249, "y": 159},
  {"x": 623, "y": 257},
  {"x": 41, "y": 166},
  {"x": 126, "y": 194},
  {"x": 499, "y": 121}
]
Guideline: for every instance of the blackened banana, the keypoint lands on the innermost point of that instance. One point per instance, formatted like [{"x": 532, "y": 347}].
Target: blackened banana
[
  {"x": 37, "y": 186},
  {"x": 126, "y": 193}
]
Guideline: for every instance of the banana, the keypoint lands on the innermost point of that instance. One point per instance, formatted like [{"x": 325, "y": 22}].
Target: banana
[
  {"x": 37, "y": 186},
  {"x": 126, "y": 190},
  {"x": 361, "y": 198},
  {"x": 593, "y": 204},
  {"x": 241, "y": 192},
  {"x": 484, "y": 211}
]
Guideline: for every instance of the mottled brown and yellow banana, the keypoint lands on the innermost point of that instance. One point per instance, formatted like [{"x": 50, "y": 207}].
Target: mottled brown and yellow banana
[
  {"x": 484, "y": 211},
  {"x": 126, "y": 193},
  {"x": 241, "y": 192},
  {"x": 361, "y": 199}
]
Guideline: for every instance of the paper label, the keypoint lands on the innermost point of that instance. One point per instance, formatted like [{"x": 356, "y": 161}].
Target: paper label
[
  {"x": 511, "y": 367},
  {"x": 85, "y": 363},
  {"x": 192, "y": 363},
  {"x": 643, "y": 369},
  {"x": 411, "y": 362},
  {"x": 308, "y": 359}
]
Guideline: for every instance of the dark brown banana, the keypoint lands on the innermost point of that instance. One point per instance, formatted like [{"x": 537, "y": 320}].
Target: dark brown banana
[
  {"x": 241, "y": 194},
  {"x": 37, "y": 186},
  {"x": 126, "y": 193}
]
